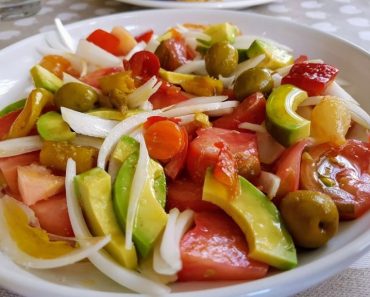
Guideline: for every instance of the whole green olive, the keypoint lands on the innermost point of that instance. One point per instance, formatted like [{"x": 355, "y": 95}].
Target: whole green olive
[
  {"x": 76, "y": 96},
  {"x": 253, "y": 80},
  {"x": 221, "y": 59},
  {"x": 311, "y": 217}
]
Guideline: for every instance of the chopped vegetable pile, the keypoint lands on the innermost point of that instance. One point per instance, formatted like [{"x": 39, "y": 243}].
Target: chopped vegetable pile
[{"x": 202, "y": 154}]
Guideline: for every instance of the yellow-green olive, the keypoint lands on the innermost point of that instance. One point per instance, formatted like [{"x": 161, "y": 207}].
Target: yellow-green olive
[{"x": 221, "y": 59}]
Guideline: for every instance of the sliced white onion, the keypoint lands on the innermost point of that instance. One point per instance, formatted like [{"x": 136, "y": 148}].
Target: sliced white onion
[
  {"x": 334, "y": 89},
  {"x": 102, "y": 261},
  {"x": 184, "y": 110},
  {"x": 220, "y": 112},
  {"x": 152, "y": 45},
  {"x": 19, "y": 146},
  {"x": 248, "y": 64},
  {"x": 89, "y": 245},
  {"x": 137, "y": 48},
  {"x": 96, "y": 55},
  {"x": 358, "y": 115},
  {"x": 186, "y": 119},
  {"x": 83, "y": 140},
  {"x": 64, "y": 35},
  {"x": 124, "y": 127},
  {"x": 269, "y": 182},
  {"x": 45, "y": 50},
  {"x": 53, "y": 40},
  {"x": 138, "y": 182},
  {"x": 86, "y": 124},
  {"x": 253, "y": 127},
  {"x": 146, "y": 106},
  {"x": 276, "y": 77},
  {"x": 143, "y": 93},
  {"x": 268, "y": 148},
  {"x": 227, "y": 81},
  {"x": 195, "y": 66},
  {"x": 201, "y": 100},
  {"x": 314, "y": 100}
]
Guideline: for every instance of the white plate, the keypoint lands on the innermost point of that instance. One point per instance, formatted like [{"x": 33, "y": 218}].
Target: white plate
[
  {"x": 183, "y": 4},
  {"x": 353, "y": 239}
]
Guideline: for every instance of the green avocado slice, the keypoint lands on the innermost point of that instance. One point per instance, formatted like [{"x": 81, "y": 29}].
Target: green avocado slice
[{"x": 43, "y": 78}]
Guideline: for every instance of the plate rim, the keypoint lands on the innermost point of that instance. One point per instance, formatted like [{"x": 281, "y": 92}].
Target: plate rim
[{"x": 358, "y": 246}]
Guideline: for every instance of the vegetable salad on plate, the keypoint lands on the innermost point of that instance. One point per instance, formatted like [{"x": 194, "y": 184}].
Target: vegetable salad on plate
[{"x": 197, "y": 154}]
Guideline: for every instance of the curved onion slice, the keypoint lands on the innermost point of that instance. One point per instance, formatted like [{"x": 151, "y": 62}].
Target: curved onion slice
[
  {"x": 196, "y": 66},
  {"x": 9, "y": 246},
  {"x": 124, "y": 127},
  {"x": 19, "y": 146},
  {"x": 334, "y": 89},
  {"x": 64, "y": 35},
  {"x": 102, "y": 261},
  {"x": 269, "y": 183},
  {"x": 138, "y": 182},
  {"x": 137, "y": 48},
  {"x": 96, "y": 55},
  {"x": 227, "y": 81},
  {"x": 201, "y": 100},
  {"x": 276, "y": 78},
  {"x": 86, "y": 124},
  {"x": 248, "y": 64},
  {"x": 184, "y": 110},
  {"x": 253, "y": 127},
  {"x": 54, "y": 41},
  {"x": 152, "y": 45},
  {"x": 143, "y": 93}
]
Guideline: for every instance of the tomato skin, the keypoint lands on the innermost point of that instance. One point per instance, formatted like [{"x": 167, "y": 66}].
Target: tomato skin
[
  {"x": 144, "y": 64},
  {"x": 8, "y": 167},
  {"x": 53, "y": 215},
  {"x": 347, "y": 169},
  {"x": 93, "y": 78},
  {"x": 145, "y": 36},
  {"x": 251, "y": 109},
  {"x": 216, "y": 250},
  {"x": 184, "y": 194},
  {"x": 104, "y": 40},
  {"x": 172, "y": 53},
  {"x": 167, "y": 95},
  {"x": 203, "y": 153},
  {"x": 288, "y": 168},
  {"x": 311, "y": 77},
  {"x": 7, "y": 121}
]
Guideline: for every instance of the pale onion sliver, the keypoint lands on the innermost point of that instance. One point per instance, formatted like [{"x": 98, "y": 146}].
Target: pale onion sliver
[
  {"x": 196, "y": 67},
  {"x": 252, "y": 127},
  {"x": 96, "y": 55},
  {"x": 184, "y": 110},
  {"x": 89, "y": 246},
  {"x": 270, "y": 183},
  {"x": 169, "y": 238},
  {"x": 248, "y": 64},
  {"x": 358, "y": 115},
  {"x": 124, "y": 127},
  {"x": 137, "y": 48},
  {"x": 102, "y": 261},
  {"x": 138, "y": 182},
  {"x": 83, "y": 140},
  {"x": 64, "y": 35},
  {"x": 67, "y": 78},
  {"x": 19, "y": 146},
  {"x": 53, "y": 40},
  {"x": 152, "y": 45},
  {"x": 160, "y": 266},
  {"x": 86, "y": 124},
  {"x": 201, "y": 100},
  {"x": 276, "y": 78},
  {"x": 143, "y": 93},
  {"x": 228, "y": 82},
  {"x": 220, "y": 112},
  {"x": 334, "y": 89}
]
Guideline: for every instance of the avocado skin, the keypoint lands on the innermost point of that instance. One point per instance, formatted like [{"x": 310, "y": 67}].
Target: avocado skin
[
  {"x": 258, "y": 218},
  {"x": 94, "y": 192},
  {"x": 150, "y": 217}
]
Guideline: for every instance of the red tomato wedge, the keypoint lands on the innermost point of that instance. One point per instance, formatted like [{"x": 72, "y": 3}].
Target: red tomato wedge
[
  {"x": 53, "y": 215},
  {"x": 104, "y": 40},
  {"x": 311, "y": 77},
  {"x": 168, "y": 95},
  {"x": 216, "y": 249},
  {"x": 145, "y": 36},
  {"x": 288, "y": 167},
  {"x": 341, "y": 172},
  {"x": 185, "y": 194},
  {"x": 203, "y": 152},
  {"x": 251, "y": 109},
  {"x": 37, "y": 183},
  {"x": 6, "y": 122},
  {"x": 144, "y": 64},
  {"x": 8, "y": 167},
  {"x": 93, "y": 78}
]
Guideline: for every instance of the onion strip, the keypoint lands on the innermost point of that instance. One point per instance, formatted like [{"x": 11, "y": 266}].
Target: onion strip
[{"x": 19, "y": 146}]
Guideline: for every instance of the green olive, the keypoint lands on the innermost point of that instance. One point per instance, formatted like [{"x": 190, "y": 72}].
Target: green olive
[
  {"x": 76, "y": 96},
  {"x": 221, "y": 59},
  {"x": 253, "y": 80},
  {"x": 311, "y": 217}
]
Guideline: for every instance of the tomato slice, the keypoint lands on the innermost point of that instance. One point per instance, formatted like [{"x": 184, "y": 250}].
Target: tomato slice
[
  {"x": 7, "y": 121},
  {"x": 53, "y": 215},
  {"x": 144, "y": 64},
  {"x": 168, "y": 95},
  {"x": 311, "y": 77},
  {"x": 185, "y": 194},
  {"x": 93, "y": 78},
  {"x": 145, "y": 36},
  {"x": 251, "y": 109},
  {"x": 203, "y": 152},
  {"x": 341, "y": 172},
  {"x": 216, "y": 249},
  {"x": 104, "y": 40}
]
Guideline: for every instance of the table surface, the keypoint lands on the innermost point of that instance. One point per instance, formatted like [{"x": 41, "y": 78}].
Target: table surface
[{"x": 349, "y": 19}]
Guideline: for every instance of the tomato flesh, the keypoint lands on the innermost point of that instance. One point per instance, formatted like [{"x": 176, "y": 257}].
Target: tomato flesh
[
  {"x": 7, "y": 121},
  {"x": 167, "y": 95},
  {"x": 146, "y": 36},
  {"x": 93, "y": 78},
  {"x": 216, "y": 249},
  {"x": 104, "y": 40},
  {"x": 144, "y": 64},
  {"x": 311, "y": 77}
]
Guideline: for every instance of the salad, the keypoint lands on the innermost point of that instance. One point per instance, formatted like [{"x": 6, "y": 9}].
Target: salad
[{"x": 198, "y": 154}]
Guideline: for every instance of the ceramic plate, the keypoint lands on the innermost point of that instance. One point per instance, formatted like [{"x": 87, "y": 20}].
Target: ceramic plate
[
  {"x": 192, "y": 4},
  {"x": 82, "y": 279}
]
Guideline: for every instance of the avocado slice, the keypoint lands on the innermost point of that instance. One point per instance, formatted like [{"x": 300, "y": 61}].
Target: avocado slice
[
  {"x": 275, "y": 57},
  {"x": 222, "y": 32},
  {"x": 52, "y": 127},
  {"x": 43, "y": 78},
  {"x": 282, "y": 122},
  {"x": 107, "y": 113},
  {"x": 258, "y": 218},
  {"x": 94, "y": 192},
  {"x": 150, "y": 217}
]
